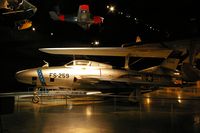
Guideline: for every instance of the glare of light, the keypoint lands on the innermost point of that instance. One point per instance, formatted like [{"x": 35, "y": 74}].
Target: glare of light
[
  {"x": 177, "y": 73},
  {"x": 138, "y": 39},
  {"x": 83, "y": 70},
  {"x": 148, "y": 100},
  {"x": 111, "y": 8},
  {"x": 93, "y": 93},
  {"x": 33, "y": 29},
  {"x": 179, "y": 99},
  {"x": 69, "y": 105},
  {"x": 95, "y": 43},
  {"x": 107, "y": 6},
  {"x": 128, "y": 16},
  {"x": 136, "y": 20},
  {"x": 51, "y": 33},
  {"x": 75, "y": 19},
  {"x": 88, "y": 111},
  {"x": 196, "y": 120},
  {"x": 121, "y": 13}
]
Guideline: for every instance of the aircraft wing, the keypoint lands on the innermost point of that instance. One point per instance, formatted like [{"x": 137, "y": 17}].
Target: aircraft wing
[
  {"x": 62, "y": 17},
  {"x": 13, "y": 12},
  {"x": 130, "y": 82},
  {"x": 152, "y": 51}
]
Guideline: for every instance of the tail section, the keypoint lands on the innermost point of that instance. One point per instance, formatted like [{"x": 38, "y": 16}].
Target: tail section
[
  {"x": 190, "y": 73},
  {"x": 167, "y": 67},
  {"x": 170, "y": 64}
]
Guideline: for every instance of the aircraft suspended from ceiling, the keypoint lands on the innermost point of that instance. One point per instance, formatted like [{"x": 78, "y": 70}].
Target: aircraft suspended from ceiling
[
  {"x": 16, "y": 13},
  {"x": 84, "y": 18}
]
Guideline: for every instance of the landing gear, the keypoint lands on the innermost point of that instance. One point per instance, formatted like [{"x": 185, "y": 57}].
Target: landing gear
[
  {"x": 36, "y": 98},
  {"x": 135, "y": 96}
]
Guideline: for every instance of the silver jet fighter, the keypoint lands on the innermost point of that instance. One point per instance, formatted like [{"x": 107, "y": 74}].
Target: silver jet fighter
[{"x": 98, "y": 77}]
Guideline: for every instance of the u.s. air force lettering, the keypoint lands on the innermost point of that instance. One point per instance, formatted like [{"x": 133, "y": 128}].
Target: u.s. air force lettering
[{"x": 58, "y": 75}]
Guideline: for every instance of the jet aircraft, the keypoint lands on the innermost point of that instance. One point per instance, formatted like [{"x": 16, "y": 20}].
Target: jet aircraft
[
  {"x": 16, "y": 13},
  {"x": 94, "y": 77},
  {"x": 83, "y": 17}
]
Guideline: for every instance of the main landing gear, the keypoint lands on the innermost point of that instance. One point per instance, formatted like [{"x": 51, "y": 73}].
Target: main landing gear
[{"x": 135, "y": 96}]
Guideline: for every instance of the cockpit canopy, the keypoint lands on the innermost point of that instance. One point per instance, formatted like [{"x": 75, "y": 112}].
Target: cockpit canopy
[{"x": 87, "y": 63}]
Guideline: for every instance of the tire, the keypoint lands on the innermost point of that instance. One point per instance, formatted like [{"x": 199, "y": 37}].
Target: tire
[{"x": 36, "y": 99}]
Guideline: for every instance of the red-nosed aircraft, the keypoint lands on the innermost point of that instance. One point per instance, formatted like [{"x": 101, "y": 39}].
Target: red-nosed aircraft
[{"x": 83, "y": 18}]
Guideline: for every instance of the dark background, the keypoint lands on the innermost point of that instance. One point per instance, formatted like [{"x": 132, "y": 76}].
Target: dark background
[{"x": 153, "y": 21}]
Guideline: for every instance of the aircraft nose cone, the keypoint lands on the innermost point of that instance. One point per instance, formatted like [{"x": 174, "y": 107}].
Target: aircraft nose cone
[
  {"x": 20, "y": 75},
  {"x": 25, "y": 76}
]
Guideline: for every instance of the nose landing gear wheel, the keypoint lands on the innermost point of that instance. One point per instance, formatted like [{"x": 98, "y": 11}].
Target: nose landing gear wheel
[{"x": 35, "y": 99}]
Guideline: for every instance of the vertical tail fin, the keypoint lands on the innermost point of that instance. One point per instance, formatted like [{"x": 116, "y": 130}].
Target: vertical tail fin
[
  {"x": 168, "y": 66},
  {"x": 190, "y": 73},
  {"x": 170, "y": 63}
]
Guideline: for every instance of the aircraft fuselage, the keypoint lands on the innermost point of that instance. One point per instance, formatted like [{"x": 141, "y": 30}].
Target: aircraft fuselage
[{"x": 92, "y": 73}]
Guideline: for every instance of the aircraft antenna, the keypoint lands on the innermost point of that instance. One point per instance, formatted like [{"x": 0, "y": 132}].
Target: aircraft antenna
[{"x": 46, "y": 64}]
